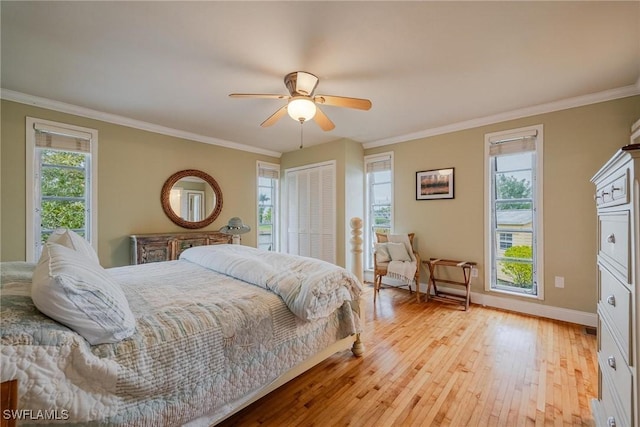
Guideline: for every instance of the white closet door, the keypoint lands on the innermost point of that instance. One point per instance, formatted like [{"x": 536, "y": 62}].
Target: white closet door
[{"x": 310, "y": 205}]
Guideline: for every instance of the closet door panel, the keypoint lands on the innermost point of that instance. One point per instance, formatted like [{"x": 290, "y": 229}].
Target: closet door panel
[{"x": 311, "y": 212}]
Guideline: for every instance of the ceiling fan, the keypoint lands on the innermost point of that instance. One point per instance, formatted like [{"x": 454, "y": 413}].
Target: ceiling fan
[{"x": 301, "y": 102}]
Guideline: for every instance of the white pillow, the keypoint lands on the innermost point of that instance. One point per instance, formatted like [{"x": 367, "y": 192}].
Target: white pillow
[
  {"x": 72, "y": 240},
  {"x": 398, "y": 252},
  {"x": 382, "y": 253},
  {"x": 72, "y": 289}
]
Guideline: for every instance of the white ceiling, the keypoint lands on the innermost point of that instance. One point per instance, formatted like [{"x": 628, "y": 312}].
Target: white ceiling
[{"x": 426, "y": 66}]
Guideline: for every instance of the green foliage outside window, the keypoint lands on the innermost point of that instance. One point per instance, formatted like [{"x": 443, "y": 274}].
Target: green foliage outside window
[
  {"x": 510, "y": 187},
  {"x": 520, "y": 272},
  {"x": 62, "y": 188}
]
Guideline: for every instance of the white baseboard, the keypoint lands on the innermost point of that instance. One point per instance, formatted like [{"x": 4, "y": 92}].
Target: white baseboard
[
  {"x": 534, "y": 309},
  {"x": 525, "y": 307}
]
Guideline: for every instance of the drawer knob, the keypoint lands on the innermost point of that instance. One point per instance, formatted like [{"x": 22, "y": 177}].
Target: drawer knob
[
  {"x": 603, "y": 193},
  {"x": 611, "y": 300},
  {"x": 612, "y": 362},
  {"x": 611, "y": 422},
  {"x": 611, "y": 238},
  {"x": 614, "y": 188}
]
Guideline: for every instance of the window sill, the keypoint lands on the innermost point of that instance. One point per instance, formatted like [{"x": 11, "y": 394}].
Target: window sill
[{"x": 515, "y": 294}]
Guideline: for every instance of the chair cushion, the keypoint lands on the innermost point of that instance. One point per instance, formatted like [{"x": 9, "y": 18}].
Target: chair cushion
[
  {"x": 382, "y": 253},
  {"x": 398, "y": 252},
  {"x": 73, "y": 289}
]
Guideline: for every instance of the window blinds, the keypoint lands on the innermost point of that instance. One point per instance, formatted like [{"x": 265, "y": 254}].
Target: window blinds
[
  {"x": 513, "y": 143},
  {"x": 380, "y": 164},
  {"x": 52, "y": 137},
  {"x": 269, "y": 172}
]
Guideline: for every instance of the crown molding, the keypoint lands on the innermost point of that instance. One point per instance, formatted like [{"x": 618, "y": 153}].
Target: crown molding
[
  {"x": 550, "y": 107},
  {"x": 63, "y": 107},
  {"x": 564, "y": 104}
]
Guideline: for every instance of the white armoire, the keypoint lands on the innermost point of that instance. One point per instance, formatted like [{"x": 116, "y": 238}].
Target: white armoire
[{"x": 618, "y": 206}]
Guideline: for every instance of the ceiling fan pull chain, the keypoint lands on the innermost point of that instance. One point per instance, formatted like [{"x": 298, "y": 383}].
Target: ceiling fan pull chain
[{"x": 301, "y": 123}]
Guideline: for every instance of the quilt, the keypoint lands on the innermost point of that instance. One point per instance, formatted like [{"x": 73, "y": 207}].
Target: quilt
[{"x": 203, "y": 340}]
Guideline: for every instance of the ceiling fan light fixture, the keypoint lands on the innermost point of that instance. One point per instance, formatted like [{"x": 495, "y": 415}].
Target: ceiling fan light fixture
[{"x": 301, "y": 109}]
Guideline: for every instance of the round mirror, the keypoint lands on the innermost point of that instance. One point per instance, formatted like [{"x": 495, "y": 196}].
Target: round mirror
[{"x": 191, "y": 198}]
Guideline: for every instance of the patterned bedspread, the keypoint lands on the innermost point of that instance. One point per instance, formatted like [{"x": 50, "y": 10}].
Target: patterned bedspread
[{"x": 203, "y": 341}]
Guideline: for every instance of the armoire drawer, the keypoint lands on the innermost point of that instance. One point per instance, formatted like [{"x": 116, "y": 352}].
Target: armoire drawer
[
  {"x": 613, "y": 190},
  {"x": 614, "y": 305},
  {"x": 612, "y": 414},
  {"x": 613, "y": 245},
  {"x": 615, "y": 369}
]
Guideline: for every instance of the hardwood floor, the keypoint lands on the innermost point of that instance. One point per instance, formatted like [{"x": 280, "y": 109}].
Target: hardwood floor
[{"x": 432, "y": 364}]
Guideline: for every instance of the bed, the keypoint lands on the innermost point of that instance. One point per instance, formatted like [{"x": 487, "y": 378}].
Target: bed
[{"x": 214, "y": 331}]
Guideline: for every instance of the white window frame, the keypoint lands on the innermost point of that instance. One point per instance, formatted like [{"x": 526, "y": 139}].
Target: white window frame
[
  {"x": 33, "y": 184},
  {"x": 507, "y": 135},
  {"x": 369, "y": 238},
  {"x": 275, "y": 219}
]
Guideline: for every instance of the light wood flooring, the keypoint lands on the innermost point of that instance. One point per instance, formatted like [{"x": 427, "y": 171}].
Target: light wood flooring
[{"x": 432, "y": 364}]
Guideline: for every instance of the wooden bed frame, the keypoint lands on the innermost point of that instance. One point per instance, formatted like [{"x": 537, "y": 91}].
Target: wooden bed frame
[{"x": 9, "y": 392}]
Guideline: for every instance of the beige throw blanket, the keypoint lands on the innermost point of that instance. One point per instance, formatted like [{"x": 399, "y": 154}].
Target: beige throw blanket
[{"x": 402, "y": 270}]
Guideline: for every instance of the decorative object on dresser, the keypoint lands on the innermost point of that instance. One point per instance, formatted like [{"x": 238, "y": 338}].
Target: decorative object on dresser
[
  {"x": 235, "y": 228},
  {"x": 618, "y": 204},
  {"x": 147, "y": 248},
  {"x": 191, "y": 198}
]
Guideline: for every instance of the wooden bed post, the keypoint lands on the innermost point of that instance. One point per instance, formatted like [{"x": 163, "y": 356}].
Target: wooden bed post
[
  {"x": 356, "y": 247},
  {"x": 356, "y": 252}
]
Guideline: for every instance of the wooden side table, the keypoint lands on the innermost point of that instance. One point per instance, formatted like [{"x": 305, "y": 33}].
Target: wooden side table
[{"x": 444, "y": 296}]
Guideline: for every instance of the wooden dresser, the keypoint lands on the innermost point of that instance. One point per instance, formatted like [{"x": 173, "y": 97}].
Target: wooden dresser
[
  {"x": 618, "y": 205},
  {"x": 167, "y": 247}
]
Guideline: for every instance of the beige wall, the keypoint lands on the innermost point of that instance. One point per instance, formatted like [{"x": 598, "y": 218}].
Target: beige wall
[
  {"x": 577, "y": 142},
  {"x": 349, "y": 177},
  {"x": 134, "y": 164},
  {"x": 132, "y": 167}
]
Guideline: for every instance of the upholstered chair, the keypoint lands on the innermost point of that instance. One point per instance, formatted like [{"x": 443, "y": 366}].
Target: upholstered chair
[{"x": 382, "y": 258}]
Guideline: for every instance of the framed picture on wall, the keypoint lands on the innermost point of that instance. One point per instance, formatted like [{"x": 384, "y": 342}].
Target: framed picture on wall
[{"x": 434, "y": 184}]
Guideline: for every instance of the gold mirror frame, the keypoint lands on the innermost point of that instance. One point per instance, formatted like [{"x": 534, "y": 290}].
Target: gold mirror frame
[{"x": 166, "y": 191}]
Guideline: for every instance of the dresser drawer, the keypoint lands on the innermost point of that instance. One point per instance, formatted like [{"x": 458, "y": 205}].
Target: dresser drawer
[
  {"x": 184, "y": 244},
  {"x": 612, "y": 414},
  {"x": 153, "y": 251},
  {"x": 615, "y": 369},
  {"x": 613, "y": 190},
  {"x": 167, "y": 247},
  {"x": 613, "y": 245},
  {"x": 615, "y": 307}
]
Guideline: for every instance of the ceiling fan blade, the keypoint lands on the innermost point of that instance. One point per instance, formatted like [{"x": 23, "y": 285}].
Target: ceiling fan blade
[
  {"x": 343, "y": 101},
  {"x": 274, "y": 117},
  {"x": 323, "y": 121},
  {"x": 258, "y": 95}
]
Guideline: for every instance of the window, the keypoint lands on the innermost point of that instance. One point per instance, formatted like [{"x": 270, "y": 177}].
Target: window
[
  {"x": 506, "y": 240},
  {"x": 379, "y": 200},
  {"x": 61, "y": 182},
  {"x": 268, "y": 178},
  {"x": 514, "y": 211}
]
